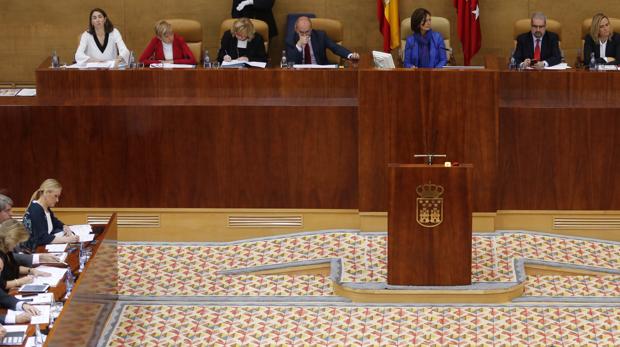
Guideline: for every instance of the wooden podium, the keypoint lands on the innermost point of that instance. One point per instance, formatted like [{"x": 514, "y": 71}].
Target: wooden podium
[{"x": 429, "y": 225}]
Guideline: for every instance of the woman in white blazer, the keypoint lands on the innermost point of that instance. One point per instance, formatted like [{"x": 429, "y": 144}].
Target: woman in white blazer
[{"x": 101, "y": 42}]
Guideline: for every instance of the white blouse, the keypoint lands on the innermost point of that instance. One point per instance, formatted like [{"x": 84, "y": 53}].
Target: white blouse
[
  {"x": 168, "y": 55},
  {"x": 88, "y": 48}
]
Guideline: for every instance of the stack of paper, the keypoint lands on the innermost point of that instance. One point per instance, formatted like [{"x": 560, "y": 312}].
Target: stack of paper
[
  {"x": 56, "y": 247},
  {"x": 172, "y": 66},
  {"x": 43, "y": 298},
  {"x": 42, "y": 318},
  {"x": 241, "y": 63},
  {"x": 383, "y": 60},
  {"x": 27, "y": 92},
  {"x": 84, "y": 231},
  {"x": 56, "y": 275},
  {"x": 8, "y": 92},
  {"x": 62, "y": 256},
  {"x": 314, "y": 66}
]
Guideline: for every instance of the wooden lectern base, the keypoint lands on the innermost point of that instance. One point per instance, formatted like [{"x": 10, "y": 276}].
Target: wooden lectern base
[{"x": 429, "y": 225}]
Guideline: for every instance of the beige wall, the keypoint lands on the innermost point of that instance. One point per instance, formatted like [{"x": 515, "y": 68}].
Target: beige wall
[{"x": 33, "y": 28}]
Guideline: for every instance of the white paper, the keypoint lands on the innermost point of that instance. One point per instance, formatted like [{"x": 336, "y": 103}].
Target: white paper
[
  {"x": 242, "y": 43},
  {"x": 81, "y": 228},
  {"x": 171, "y": 66},
  {"x": 315, "y": 66},
  {"x": 87, "y": 238},
  {"x": 27, "y": 92},
  {"x": 8, "y": 92},
  {"x": 43, "y": 298},
  {"x": 241, "y": 63},
  {"x": 56, "y": 247},
  {"x": 101, "y": 65},
  {"x": 62, "y": 256},
  {"x": 30, "y": 342},
  {"x": 56, "y": 275},
  {"x": 560, "y": 66},
  {"x": 383, "y": 60},
  {"x": 43, "y": 317}
]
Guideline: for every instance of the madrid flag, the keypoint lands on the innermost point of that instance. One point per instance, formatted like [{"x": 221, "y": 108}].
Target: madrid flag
[
  {"x": 468, "y": 16},
  {"x": 389, "y": 23}
]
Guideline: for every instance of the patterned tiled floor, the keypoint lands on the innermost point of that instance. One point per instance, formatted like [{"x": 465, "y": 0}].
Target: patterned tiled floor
[
  {"x": 157, "y": 325},
  {"x": 168, "y": 271}
]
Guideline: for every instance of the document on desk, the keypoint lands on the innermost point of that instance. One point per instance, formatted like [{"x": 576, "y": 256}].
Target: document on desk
[
  {"x": 56, "y": 275},
  {"x": 43, "y": 298},
  {"x": 56, "y": 247},
  {"x": 81, "y": 228},
  {"x": 171, "y": 66},
  {"x": 560, "y": 66},
  {"x": 31, "y": 342},
  {"x": 241, "y": 64},
  {"x": 42, "y": 318},
  {"x": 15, "y": 334},
  {"x": 62, "y": 256},
  {"x": 27, "y": 92},
  {"x": 315, "y": 66},
  {"x": 87, "y": 237},
  {"x": 9, "y": 92}
]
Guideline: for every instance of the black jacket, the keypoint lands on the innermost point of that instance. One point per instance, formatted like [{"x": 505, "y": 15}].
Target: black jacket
[
  {"x": 611, "y": 50},
  {"x": 260, "y": 10},
  {"x": 255, "y": 51},
  {"x": 549, "y": 48}
]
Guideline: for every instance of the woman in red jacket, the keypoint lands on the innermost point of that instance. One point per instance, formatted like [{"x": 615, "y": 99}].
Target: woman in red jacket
[{"x": 167, "y": 47}]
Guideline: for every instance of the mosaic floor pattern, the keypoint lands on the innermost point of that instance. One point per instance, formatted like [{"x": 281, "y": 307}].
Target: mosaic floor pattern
[
  {"x": 167, "y": 325},
  {"x": 192, "y": 270},
  {"x": 289, "y": 310}
]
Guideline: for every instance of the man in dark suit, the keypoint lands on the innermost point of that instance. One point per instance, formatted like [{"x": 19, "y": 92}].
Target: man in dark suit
[
  {"x": 257, "y": 9},
  {"x": 538, "y": 48},
  {"x": 307, "y": 46}
]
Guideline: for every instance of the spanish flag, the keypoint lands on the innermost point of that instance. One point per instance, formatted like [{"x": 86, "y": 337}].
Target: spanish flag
[{"x": 389, "y": 23}]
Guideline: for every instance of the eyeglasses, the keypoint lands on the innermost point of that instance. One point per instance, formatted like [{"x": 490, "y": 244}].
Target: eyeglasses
[
  {"x": 307, "y": 32},
  {"x": 538, "y": 26}
]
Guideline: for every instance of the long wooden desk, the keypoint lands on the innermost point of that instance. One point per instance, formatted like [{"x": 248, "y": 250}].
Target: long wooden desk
[{"x": 313, "y": 139}]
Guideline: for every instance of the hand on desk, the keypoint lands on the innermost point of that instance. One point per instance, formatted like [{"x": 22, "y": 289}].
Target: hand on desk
[
  {"x": 48, "y": 258},
  {"x": 23, "y": 317},
  {"x": 30, "y": 309},
  {"x": 37, "y": 272},
  {"x": 227, "y": 58},
  {"x": 243, "y": 59},
  {"x": 354, "y": 56}
]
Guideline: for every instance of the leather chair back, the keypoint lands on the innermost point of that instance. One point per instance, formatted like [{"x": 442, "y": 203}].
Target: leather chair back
[
  {"x": 191, "y": 31},
  {"x": 334, "y": 30}
]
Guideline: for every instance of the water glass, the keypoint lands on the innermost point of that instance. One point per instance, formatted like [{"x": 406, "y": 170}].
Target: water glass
[{"x": 215, "y": 64}]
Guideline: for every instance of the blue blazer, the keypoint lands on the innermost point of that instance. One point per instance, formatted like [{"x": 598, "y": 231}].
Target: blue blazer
[
  {"x": 437, "y": 54},
  {"x": 320, "y": 42}
]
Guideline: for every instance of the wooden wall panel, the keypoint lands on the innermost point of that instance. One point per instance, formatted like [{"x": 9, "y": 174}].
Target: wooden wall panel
[
  {"x": 401, "y": 110},
  {"x": 185, "y": 156},
  {"x": 559, "y": 159}
]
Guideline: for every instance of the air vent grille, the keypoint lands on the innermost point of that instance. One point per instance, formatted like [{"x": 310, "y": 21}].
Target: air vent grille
[
  {"x": 587, "y": 223},
  {"x": 265, "y": 221}
]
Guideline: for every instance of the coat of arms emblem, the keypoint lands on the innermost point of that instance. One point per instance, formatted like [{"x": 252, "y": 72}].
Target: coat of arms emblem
[{"x": 429, "y": 207}]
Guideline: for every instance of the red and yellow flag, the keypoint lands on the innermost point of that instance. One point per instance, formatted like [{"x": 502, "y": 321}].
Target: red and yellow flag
[{"x": 389, "y": 23}]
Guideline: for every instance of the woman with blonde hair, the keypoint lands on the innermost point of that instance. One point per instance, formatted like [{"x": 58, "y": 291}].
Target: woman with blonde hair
[
  {"x": 13, "y": 233},
  {"x": 39, "y": 219},
  {"x": 242, "y": 42},
  {"x": 167, "y": 47},
  {"x": 602, "y": 41}
]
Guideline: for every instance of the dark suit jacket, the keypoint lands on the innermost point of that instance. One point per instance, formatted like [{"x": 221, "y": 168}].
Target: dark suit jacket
[
  {"x": 36, "y": 223},
  {"x": 7, "y": 301},
  {"x": 611, "y": 50},
  {"x": 260, "y": 10},
  {"x": 255, "y": 50},
  {"x": 320, "y": 42},
  {"x": 549, "y": 48}
]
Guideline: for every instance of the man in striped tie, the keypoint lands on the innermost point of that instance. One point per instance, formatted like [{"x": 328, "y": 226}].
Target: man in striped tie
[{"x": 538, "y": 48}]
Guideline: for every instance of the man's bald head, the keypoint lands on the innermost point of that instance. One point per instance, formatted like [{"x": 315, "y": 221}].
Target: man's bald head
[{"x": 303, "y": 25}]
